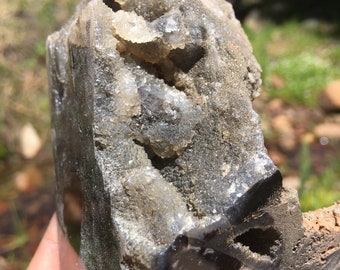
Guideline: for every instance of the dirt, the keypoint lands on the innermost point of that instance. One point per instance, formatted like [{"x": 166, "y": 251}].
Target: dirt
[{"x": 302, "y": 121}]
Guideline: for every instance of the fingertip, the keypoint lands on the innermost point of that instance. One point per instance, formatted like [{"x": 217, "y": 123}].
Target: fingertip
[{"x": 54, "y": 251}]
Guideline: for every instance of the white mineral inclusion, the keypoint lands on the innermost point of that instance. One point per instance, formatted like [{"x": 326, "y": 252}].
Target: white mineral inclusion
[
  {"x": 225, "y": 168},
  {"x": 131, "y": 27},
  {"x": 127, "y": 97},
  {"x": 261, "y": 163},
  {"x": 171, "y": 26},
  {"x": 231, "y": 189}
]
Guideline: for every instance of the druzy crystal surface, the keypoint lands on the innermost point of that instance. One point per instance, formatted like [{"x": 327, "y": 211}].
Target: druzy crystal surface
[{"x": 155, "y": 136}]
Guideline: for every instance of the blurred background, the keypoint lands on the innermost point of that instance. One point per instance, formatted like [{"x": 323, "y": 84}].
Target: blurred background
[{"x": 297, "y": 44}]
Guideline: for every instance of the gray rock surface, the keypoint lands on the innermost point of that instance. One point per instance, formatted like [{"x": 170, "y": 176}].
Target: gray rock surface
[{"x": 155, "y": 135}]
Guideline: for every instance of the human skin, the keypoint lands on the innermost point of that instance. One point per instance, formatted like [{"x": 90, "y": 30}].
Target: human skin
[{"x": 54, "y": 251}]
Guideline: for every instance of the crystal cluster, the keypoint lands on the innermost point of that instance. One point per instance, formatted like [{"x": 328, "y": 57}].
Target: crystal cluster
[{"x": 155, "y": 135}]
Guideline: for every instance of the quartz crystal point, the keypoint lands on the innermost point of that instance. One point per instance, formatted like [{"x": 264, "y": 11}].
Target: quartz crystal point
[{"x": 155, "y": 138}]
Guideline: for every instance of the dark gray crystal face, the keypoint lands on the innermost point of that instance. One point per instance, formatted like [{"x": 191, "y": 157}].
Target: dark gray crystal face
[{"x": 154, "y": 129}]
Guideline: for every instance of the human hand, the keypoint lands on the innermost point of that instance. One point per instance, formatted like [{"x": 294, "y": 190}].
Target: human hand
[{"x": 54, "y": 251}]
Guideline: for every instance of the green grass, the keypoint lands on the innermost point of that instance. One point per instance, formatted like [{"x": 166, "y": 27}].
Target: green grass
[
  {"x": 317, "y": 191},
  {"x": 304, "y": 58},
  {"x": 321, "y": 191},
  {"x": 305, "y": 167},
  {"x": 304, "y": 77}
]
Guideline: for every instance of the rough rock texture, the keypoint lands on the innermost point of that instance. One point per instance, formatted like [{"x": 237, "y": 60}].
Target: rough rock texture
[
  {"x": 263, "y": 240},
  {"x": 156, "y": 140},
  {"x": 320, "y": 246}
]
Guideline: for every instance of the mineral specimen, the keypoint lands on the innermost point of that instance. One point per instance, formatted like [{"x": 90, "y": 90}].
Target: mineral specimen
[{"x": 155, "y": 136}]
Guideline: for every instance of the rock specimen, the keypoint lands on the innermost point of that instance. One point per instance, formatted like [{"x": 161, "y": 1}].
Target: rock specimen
[{"x": 156, "y": 140}]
